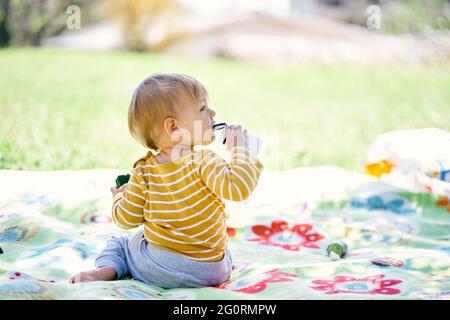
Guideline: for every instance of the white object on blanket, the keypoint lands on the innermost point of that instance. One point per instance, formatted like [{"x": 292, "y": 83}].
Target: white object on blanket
[{"x": 334, "y": 256}]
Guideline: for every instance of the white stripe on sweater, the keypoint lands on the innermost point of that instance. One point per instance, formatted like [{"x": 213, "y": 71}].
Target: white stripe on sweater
[
  {"x": 170, "y": 183},
  {"x": 185, "y": 218},
  {"x": 129, "y": 212},
  {"x": 179, "y": 241},
  {"x": 180, "y": 200},
  {"x": 179, "y": 210},
  {"x": 174, "y": 192},
  {"x": 201, "y": 221},
  {"x": 132, "y": 203}
]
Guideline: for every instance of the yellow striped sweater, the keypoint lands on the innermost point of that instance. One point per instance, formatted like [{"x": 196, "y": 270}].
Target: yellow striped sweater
[{"x": 180, "y": 202}]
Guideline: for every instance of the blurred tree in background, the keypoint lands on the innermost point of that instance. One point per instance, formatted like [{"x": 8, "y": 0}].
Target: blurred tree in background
[
  {"x": 27, "y": 22},
  {"x": 136, "y": 17},
  {"x": 4, "y": 14},
  {"x": 415, "y": 16},
  {"x": 398, "y": 16}
]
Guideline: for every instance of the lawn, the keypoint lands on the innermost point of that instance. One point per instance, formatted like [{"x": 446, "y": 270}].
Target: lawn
[{"x": 68, "y": 110}]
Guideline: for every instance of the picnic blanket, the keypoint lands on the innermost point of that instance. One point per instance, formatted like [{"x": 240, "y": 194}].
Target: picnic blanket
[{"x": 54, "y": 223}]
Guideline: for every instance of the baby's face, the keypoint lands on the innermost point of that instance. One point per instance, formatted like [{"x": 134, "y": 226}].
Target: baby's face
[{"x": 196, "y": 123}]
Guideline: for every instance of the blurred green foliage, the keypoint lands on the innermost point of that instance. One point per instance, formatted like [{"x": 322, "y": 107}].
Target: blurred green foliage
[
  {"x": 27, "y": 22},
  {"x": 415, "y": 16},
  {"x": 5, "y": 35}
]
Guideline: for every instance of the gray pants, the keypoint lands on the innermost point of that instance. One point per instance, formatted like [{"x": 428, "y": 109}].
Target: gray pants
[{"x": 132, "y": 255}]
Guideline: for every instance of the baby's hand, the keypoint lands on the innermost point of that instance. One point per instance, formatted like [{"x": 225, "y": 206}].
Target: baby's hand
[
  {"x": 115, "y": 190},
  {"x": 236, "y": 137}
]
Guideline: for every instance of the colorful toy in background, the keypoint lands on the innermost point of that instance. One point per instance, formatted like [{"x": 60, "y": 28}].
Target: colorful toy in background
[
  {"x": 417, "y": 159},
  {"x": 444, "y": 201},
  {"x": 445, "y": 175},
  {"x": 122, "y": 179},
  {"x": 442, "y": 173},
  {"x": 436, "y": 169},
  {"x": 378, "y": 168}
]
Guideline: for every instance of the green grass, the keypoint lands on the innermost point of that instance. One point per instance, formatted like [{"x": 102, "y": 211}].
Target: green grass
[{"x": 68, "y": 110}]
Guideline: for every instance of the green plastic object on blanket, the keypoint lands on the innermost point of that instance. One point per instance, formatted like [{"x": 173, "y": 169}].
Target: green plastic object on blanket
[
  {"x": 337, "y": 250},
  {"x": 122, "y": 179}
]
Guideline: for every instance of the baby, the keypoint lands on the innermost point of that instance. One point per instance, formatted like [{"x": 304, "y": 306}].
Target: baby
[{"x": 175, "y": 192}]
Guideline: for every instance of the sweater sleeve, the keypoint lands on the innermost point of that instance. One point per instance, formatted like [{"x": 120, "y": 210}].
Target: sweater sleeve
[
  {"x": 231, "y": 181},
  {"x": 128, "y": 206}
]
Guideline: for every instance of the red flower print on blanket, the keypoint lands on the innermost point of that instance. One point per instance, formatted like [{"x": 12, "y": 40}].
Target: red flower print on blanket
[
  {"x": 367, "y": 285},
  {"x": 279, "y": 234},
  {"x": 231, "y": 231},
  {"x": 256, "y": 283}
]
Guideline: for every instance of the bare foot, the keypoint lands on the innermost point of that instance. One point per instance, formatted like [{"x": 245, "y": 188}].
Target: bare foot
[{"x": 98, "y": 274}]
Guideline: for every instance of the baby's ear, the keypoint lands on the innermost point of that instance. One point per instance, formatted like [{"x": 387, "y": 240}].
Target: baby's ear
[{"x": 170, "y": 125}]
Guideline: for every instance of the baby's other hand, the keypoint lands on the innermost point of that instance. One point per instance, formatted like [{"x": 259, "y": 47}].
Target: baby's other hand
[{"x": 115, "y": 190}]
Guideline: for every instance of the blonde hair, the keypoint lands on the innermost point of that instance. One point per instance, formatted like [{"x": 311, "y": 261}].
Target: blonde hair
[{"x": 158, "y": 97}]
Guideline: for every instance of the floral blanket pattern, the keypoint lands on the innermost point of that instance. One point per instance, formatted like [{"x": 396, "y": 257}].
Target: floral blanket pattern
[{"x": 53, "y": 224}]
